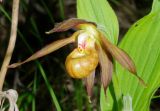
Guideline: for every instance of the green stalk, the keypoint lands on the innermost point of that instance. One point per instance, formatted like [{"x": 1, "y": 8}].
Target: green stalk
[
  {"x": 61, "y": 6},
  {"x": 34, "y": 92}
]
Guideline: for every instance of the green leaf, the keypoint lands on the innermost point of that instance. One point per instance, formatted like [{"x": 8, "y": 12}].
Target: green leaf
[
  {"x": 100, "y": 12},
  {"x": 105, "y": 106},
  {"x": 142, "y": 43},
  {"x": 156, "y": 6}
]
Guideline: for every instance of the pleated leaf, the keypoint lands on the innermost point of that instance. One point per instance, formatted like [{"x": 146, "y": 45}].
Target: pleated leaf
[{"x": 142, "y": 43}]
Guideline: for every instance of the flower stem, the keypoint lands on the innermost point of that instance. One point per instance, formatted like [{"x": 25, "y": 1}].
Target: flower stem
[{"x": 11, "y": 44}]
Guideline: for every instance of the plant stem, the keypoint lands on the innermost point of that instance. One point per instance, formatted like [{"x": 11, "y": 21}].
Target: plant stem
[{"x": 11, "y": 44}]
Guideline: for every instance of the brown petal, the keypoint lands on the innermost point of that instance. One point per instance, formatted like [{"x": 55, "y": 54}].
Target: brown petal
[
  {"x": 48, "y": 49},
  {"x": 67, "y": 24},
  {"x": 89, "y": 82},
  {"x": 121, "y": 56},
  {"x": 106, "y": 67}
]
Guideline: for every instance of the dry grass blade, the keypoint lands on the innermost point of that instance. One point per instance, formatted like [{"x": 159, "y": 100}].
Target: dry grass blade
[{"x": 13, "y": 36}]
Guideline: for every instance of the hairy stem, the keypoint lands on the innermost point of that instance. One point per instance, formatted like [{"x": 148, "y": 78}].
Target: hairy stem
[{"x": 11, "y": 44}]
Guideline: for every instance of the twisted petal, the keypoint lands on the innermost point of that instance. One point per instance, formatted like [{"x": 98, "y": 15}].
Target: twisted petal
[
  {"x": 89, "y": 81},
  {"x": 106, "y": 67},
  {"x": 67, "y": 24},
  {"x": 122, "y": 57},
  {"x": 48, "y": 49}
]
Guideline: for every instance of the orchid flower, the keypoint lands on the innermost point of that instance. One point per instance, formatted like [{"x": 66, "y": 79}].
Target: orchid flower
[{"x": 92, "y": 49}]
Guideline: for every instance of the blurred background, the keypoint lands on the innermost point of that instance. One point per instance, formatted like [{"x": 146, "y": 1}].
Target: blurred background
[{"x": 35, "y": 18}]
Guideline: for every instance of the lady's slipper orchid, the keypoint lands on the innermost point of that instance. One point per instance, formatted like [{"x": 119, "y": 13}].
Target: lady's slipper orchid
[{"x": 92, "y": 48}]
